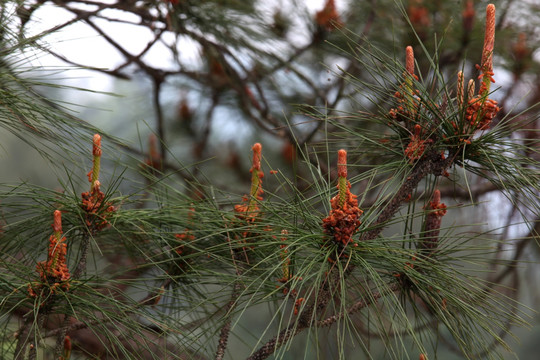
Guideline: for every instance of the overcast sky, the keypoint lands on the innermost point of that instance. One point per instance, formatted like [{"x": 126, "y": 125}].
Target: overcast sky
[{"x": 83, "y": 45}]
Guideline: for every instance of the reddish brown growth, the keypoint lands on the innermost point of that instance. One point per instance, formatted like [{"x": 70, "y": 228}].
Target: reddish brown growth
[
  {"x": 67, "y": 348},
  {"x": 96, "y": 145},
  {"x": 468, "y": 16},
  {"x": 288, "y": 152},
  {"x": 436, "y": 210},
  {"x": 487, "y": 52},
  {"x": 216, "y": 68},
  {"x": 409, "y": 60},
  {"x": 460, "y": 89},
  {"x": 54, "y": 271},
  {"x": 183, "y": 237},
  {"x": 256, "y": 176},
  {"x": 480, "y": 112},
  {"x": 184, "y": 111},
  {"x": 154, "y": 158},
  {"x": 249, "y": 210},
  {"x": 520, "y": 48},
  {"x": 252, "y": 99},
  {"x": 470, "y": 89},
  {"x": 328, "y": 17},
  {"x": 97, "y": 211},
  {"x": 406, "y": 109},
  {"x": 436, "y": 206},
  {"x": 422, "y": 357},
  {"x": 93, "y": 201},
  {"x": 256, "y": 162},
  {"x": 186, "y": 235},
  {"x": 409, "y": 265},
  {"x": 182, "y": 250},
  {"x": 93, "y": 174},
  {"x": 521, "y": 54},
  {"x": 486, "y": 65},
  {"x": 249, "y": 207},
  {"x": 417, "y": 145},
  {"x": 297, "y": 305},
  {"x": 342, "y": 163},
  {"x": 407, "y": 99},
  {"x": 343, "y": 221},
  {"x": 418, "y": 15}
]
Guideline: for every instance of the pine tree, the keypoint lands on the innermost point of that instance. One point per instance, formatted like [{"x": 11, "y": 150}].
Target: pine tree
[{"x": 353, "y": 219}]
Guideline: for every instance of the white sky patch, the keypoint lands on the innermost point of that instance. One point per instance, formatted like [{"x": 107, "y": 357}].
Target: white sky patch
[{"x": 82, "y": 44}]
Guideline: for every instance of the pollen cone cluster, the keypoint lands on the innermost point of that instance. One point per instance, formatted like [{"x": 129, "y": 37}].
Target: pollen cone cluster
[
  {"x": 249, "y": 209},
  {"x": 53, "y": 271},
  {"x": 436, "y": 210},
  {"x": 480, "y": 109},
  {"x": 93, "y": 201},
  {"x": 343, "y": 221}
]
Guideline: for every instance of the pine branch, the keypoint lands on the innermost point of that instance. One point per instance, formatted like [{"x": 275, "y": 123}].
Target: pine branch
[
  {"x": 237, "y": 287},
  {"x": 359, "y": 305},
  {"x": 304, "y": 322},
  {"x": 432, "y": 163}
]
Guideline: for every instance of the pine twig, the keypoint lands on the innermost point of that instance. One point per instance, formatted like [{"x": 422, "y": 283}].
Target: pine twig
[
  {"x": 23, "y": 335},
  {"x": 284, "y": 335},
  {"x": 226, "y": 328},
  {"x": 359, "y": 305},
  {"x": 431, "y": 164}
]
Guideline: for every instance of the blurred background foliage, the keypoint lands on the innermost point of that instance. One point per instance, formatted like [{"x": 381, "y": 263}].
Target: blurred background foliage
[{"x": 181, "y": 90}]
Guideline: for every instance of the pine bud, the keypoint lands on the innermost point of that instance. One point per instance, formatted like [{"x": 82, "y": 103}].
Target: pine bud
[{"x": 436, "y": 210}]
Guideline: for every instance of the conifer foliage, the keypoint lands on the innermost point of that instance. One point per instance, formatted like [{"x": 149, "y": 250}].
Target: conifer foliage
[{"x": 364, "y": 225}]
